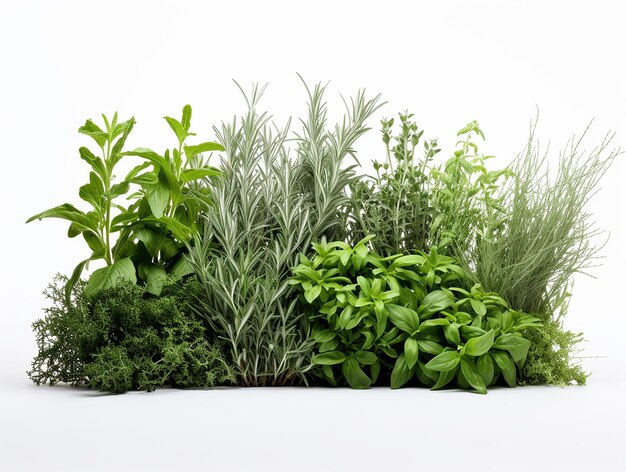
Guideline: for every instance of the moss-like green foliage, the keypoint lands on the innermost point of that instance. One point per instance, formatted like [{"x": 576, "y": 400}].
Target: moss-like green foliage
[
  {"x": 551, "y": 358},
  {"x": 124, "y": 339}
]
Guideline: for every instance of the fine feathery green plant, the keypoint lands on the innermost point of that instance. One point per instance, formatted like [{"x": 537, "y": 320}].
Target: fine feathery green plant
[
  {"x": 264, "y": 210},
  {"x": 122, "y": 339},
  {"x": 543, "y": 237}
]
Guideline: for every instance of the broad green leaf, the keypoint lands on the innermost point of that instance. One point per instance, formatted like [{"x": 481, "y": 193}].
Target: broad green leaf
[
  {"x": 164, "y": 167},
  {"x": 181, "y": 268},
  {"x": 169, "y": 249},
  {"x": 485, "y": 367},
  {"x": 123, "y": 219},
  {"x": 354, "y": 375},
  {"x": 470, "y": 372},
  {"x": 179, "y": 230},
  {"x": 433, "y": 323},
  {"x": 192, "y": 151},
  {"x": 125, "y": 127},
  {"x": 73, "y": 231},
  {"x": 93, "y": 191},
  {"x": 445, "y": 361},
  {"x": 404, "y": 318},
  {"x": 311, "y": 294},
  {"x": 329, "y": 345},
  {"x": 435, "y": 301},
  {"x": 324, "y": 336},
  {"x": 404, "y": 261},
  {"x": 426, "y": 376},
  {"x": 401, "y": 373},
  {"x": 145, "y": 179},
  {"x": 154, "y": 276},
  {"x": 365, "y": 285},
  {"x": 365, "y": 357},
  {"x": 189, "y": 175},
  {"x": 93, "y": 131},
  {"x": 75, "y": 277},
  {"x": 158, "y": 196},
  {"x": 430, "y": 347},
  {"x": 94, "y": 242},
  {"x": 479, "y": 307},
  {"x": 70, "y": 213},
  {"x": 515, "y": 344},
  {"x": 329, "y": 358},
  {"x": 375, "y": 371},
  {"x": 411, "y": 351},
  {"x": 152, "y": 239},
  {"x": 468, "y": 332},
  {"x": 451, "y": 333},
  {"x": 177, "y": 127},
  {"x": 119, "y": 189},
  {"x": 110, "y": 276},
  {"x": 445, "y": 377},
  {"x": 504, "y": 361},
  {"x": 479, "y": 345},
  {"x": 345, "y": 316}
]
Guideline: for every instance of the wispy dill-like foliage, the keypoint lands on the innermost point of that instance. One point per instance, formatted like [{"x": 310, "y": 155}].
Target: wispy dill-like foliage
[{"x": 544, "y": 237}]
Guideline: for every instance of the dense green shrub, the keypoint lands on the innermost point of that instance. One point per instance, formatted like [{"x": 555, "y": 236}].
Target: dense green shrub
[
  {"x": 408, "y": 315},
  {"x": 126, "y": 339},
  {"x": 143, "y": 240}
]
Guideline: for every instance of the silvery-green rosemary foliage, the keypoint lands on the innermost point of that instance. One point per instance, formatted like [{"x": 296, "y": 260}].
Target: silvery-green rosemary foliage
[{"x": 266, "y": 209}]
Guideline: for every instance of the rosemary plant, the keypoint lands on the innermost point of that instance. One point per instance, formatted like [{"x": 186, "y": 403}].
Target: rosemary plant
[{"x": 266, "y": 209}]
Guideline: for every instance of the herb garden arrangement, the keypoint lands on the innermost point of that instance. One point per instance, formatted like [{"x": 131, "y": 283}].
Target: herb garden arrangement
[{"x": 282, "y": 263}]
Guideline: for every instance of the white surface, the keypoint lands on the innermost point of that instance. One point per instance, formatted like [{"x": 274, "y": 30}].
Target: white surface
[{"x": 62, "y": 62}]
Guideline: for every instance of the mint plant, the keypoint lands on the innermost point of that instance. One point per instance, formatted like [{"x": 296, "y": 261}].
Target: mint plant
[{"x": 145, "y": 238}]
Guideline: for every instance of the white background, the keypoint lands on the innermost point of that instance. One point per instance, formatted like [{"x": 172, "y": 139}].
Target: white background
[{"x": 448, "y": 62}]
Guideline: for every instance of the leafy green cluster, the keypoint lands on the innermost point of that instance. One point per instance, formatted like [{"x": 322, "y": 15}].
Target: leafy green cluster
[
  {"x": 407, "y": 314},
  {"x": 151, "y": 231},
  {"x": 125, "y": 339}
]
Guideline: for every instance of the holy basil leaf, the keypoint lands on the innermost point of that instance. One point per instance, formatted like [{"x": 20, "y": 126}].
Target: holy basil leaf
[
  {"x": 354, "y": 375},
  {"x": 485, "y": 368},
  {"x": 154, "y": 276},
  {"x": 411, "y": 350},
  {"x": 365, "y": 357},
  {"x": 507, "y": 366},
  {"x": 470, "y": 372},
  {"x": 445, "y": 361},
  {"x": 329, "y": 358},
  {"x": 401, "y": 373},
  {"x": 110, "y": 276},
  {"x": 434, "y": 302},
  {"x": 515, "y": 344},
  {"x": 404, "y": 318},
  {"x": 479, "y": 345}
]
